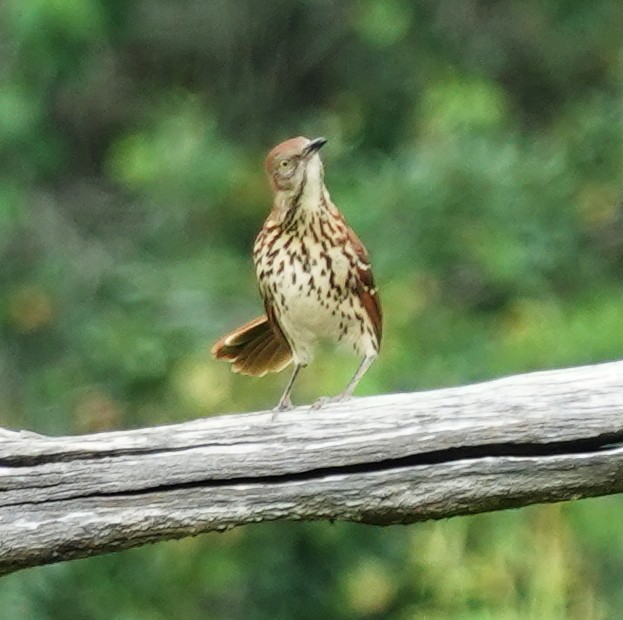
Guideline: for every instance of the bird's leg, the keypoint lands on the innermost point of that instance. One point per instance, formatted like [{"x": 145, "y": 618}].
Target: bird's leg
[
  {"x": 366, "y": 362},
  {"x": 284, "y": 402}
]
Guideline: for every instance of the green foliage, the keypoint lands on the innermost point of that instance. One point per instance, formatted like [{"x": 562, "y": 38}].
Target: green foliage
[{"x": 476, "y": 147}]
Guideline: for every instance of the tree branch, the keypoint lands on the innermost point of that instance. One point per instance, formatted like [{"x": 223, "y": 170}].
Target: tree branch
[{"x": 540, "y": 437}]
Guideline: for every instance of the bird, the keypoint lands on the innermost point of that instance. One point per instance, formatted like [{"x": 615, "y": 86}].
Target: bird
[{"x": 314, "y": 276}]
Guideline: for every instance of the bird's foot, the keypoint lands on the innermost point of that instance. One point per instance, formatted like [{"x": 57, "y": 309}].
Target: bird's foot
[
  {"x": 327, "y": 400},
  {"x": 285, "y": 404}
]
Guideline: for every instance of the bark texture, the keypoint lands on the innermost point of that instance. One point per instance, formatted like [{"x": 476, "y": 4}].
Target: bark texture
[{"x": 540, "y": 437}]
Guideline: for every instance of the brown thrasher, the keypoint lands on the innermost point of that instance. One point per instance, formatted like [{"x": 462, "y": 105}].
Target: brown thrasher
[{"x": 314, "y": 275}]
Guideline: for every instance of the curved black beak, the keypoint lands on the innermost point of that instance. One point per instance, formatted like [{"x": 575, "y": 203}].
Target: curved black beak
[{"x": 314, "y": 145}]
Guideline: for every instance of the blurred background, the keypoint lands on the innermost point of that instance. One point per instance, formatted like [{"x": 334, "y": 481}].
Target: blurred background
[{"x": 475, "y": 146}]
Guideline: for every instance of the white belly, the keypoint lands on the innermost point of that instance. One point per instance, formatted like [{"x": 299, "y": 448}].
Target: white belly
[
  {"x": 313, "y": 301},
  {"x": 305, "y": 310}
]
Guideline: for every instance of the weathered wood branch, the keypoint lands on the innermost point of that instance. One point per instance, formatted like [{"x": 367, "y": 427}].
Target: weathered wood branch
[{"x": 540, "y": 437}]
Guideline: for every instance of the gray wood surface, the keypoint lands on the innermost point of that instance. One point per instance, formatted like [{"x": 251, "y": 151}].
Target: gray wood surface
[{"x": 400, "y": 458}]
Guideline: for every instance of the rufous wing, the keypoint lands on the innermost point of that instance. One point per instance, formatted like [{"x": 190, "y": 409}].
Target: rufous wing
[{"x": 366, "y": 288}]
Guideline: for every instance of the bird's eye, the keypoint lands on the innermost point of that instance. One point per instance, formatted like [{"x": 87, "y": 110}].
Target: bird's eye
[{"x": 285, "y": 163}]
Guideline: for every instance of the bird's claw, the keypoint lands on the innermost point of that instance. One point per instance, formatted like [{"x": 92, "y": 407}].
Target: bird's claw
[
  {"x": 327, "y": 400},
  {"x": 282, "y": 405}
]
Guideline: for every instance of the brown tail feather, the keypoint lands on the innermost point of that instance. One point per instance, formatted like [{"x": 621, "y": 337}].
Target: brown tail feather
[{"x": 254, "y": 349}]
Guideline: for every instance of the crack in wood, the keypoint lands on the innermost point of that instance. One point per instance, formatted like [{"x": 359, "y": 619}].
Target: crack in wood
[
  {"x": 578, "y": 447},
  {"x": 548, "y": 436}
]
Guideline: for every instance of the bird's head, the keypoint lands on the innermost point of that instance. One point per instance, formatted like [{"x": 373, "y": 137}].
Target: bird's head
[{"x": 293, "y": 163}]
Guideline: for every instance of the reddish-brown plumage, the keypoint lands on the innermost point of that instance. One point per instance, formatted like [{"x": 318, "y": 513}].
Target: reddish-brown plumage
[
  {"x": 253, "y": 349},
  {"x": 314, "y": 275}
]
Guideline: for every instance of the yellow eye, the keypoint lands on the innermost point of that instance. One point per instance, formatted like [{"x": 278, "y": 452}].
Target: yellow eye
[{"x": 285, "y": 163}]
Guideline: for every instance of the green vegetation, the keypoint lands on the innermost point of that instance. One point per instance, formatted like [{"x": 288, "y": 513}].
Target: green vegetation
[{"x": 477, "y": 149}]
